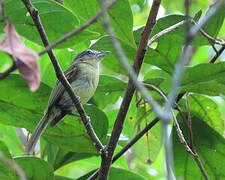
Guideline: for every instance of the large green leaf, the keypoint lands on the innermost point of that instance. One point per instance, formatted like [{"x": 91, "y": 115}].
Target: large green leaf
[
  {"x": 210, "y": 148},
  {"x": 9, "y": 136},
  {"x": 19, "y": 107},
  {"x": 123, "y": 27},
  {"x": 52, "y": 15},
  {"x": 62, "y": 178},
  {"x": 206, "y": 109},
  {"x": 85, "y": 10},
  {"x": 59, "y": 157},
  {"x": 118, "y": 174},
  {"x": 35, "y": 168},
  {"x": 109, "y": 90},
  {"x": 205, "y": 79},
  {"x": 6, "y": 172}
]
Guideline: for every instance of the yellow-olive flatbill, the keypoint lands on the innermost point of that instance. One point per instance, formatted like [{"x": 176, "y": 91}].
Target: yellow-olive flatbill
[{"x": 83, "y": 75}]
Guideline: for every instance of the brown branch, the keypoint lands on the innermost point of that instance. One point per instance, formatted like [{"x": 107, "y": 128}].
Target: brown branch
[
  {"x": 77, "y": 30},
  {"x": 59, "y": 73},
  {"x": 218, "y": 53},
  {"x": 165, "y": 31},
  {"x": 128, "y": 145},
  {"x": 118, "y": 125},
  {"x": 194, "y": 153}
]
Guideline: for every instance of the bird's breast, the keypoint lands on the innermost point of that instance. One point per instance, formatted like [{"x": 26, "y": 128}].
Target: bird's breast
[{"x": 84, "y": 86}]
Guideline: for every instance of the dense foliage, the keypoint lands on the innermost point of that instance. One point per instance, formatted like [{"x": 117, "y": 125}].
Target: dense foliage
[{"x": 66, "y": 150}]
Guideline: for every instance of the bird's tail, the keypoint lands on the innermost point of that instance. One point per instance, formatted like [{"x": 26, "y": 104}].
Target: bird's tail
[{"x": 37, "y": 133}]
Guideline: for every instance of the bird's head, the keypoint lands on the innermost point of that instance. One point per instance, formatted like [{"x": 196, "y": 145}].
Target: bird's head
[{"x": 90, "y": 56}]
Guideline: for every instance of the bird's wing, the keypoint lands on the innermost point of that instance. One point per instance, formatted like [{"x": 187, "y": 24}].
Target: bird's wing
[{"x": 71, "y": 75}]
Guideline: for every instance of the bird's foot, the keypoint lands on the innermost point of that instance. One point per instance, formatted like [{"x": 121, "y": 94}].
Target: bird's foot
[
  {"x": 88, "y": 122},
  {"x": 104, "y": 151},
  {"x": 78, "y": 99}
]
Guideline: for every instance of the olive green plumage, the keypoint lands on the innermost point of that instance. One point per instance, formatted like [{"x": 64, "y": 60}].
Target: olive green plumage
[{"x": 83, "y": 75}]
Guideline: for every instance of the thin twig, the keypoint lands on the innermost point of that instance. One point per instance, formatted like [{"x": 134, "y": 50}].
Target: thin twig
[
  {"x": 181, "y": 23},
  {"x": 217, "y": 55},
  {"x": 189, "y": 148},
  {"x": 77, "y": 30},
  {"x": 194, "y": 153},
  {"x": 210, "y": 38},
  {"x": 118, "y": 125},
  {"x": 13, "y": 165},
  {"x": 189, "y": 123},
  {"x": 59, "y": 73},
  {"x": 165, "y": 31}
]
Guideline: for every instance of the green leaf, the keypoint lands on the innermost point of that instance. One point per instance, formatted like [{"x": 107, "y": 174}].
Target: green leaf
[
  {"x": 9, "y": 136},
  {"x": 118, "y": 174},
  {"x": 204, "y": 79},
  {"x": 4, "y": 150},
  {"x": 147, "y": 148},
  {"x": 35, "y": 168},
  {"x": 6, "y": 172},
  {"x": 207, "y": 110},
  {"x": 52, "y": 16},
  {"x": 85, "y": 10},
  {"x": 210, "y": 148},
  {"x": 15, "y": 92},
  {"x": 59, "y": 157},
  {"x": 123, "y": 27},
  {"x": 62, "y": 178},
  {"x": 159, "y": 78},
  {"x": 108, "y": 91}
]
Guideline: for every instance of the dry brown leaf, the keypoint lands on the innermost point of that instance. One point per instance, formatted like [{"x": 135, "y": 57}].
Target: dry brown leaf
[{"x": 24, "y": 58}]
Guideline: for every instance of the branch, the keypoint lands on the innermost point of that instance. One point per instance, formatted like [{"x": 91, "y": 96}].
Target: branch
[
  {"x": 218, "y": 53},
  {"x": 194, "y": 153},
  {"x": 118, "y": 125},
  {"x": 79, "y": 29},
  {"x": 165, "y": 31},
  {"x": 128, "y": 145},
  {"x": 59, "y": 73}
]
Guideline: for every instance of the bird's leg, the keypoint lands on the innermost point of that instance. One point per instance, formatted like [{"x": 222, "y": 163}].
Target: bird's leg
[{"x": 73, "y": 114}]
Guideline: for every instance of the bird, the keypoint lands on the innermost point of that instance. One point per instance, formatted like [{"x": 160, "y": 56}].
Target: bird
[{"x": 83, "y": 76}]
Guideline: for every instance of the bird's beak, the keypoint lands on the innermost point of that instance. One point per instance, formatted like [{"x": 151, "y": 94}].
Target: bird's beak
[{"x": 102, "y": 54}]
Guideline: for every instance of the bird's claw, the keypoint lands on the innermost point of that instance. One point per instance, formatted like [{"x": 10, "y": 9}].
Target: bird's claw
[
  {"x": 78, "y": 99},
  {"x": 88, "y": 121},
  {"x": 104, "y": 151}
]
